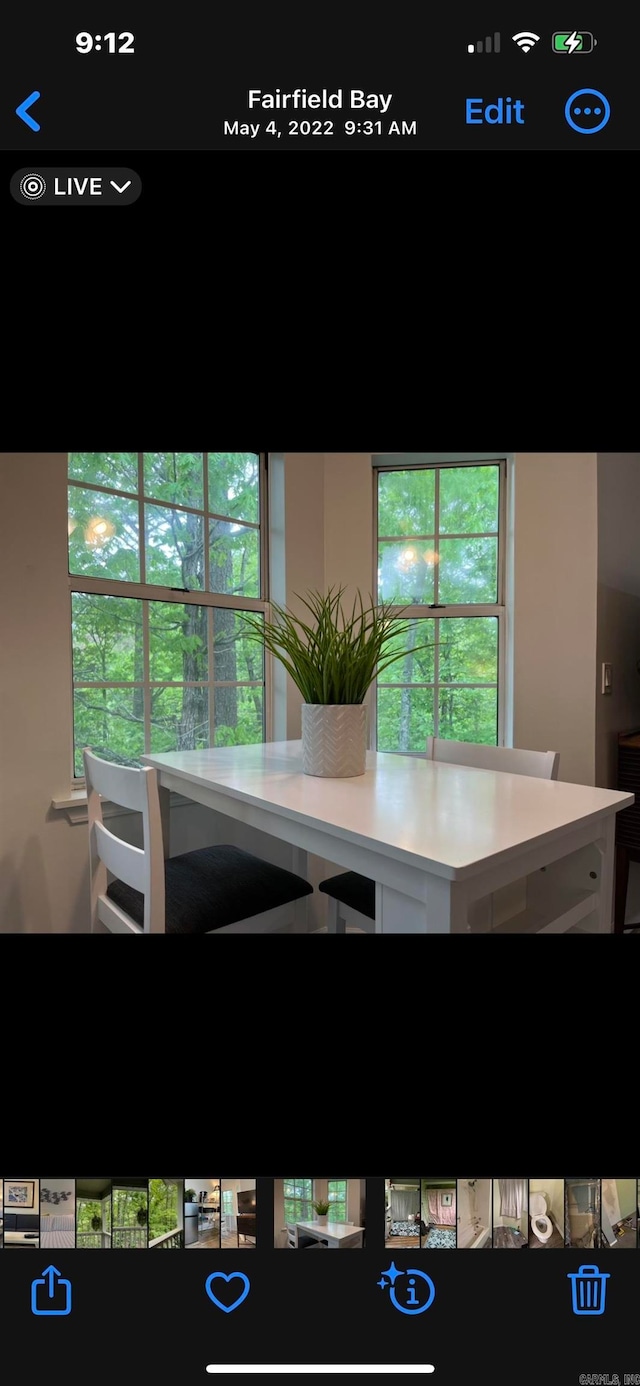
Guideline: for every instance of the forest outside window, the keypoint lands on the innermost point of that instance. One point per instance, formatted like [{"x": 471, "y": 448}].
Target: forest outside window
[
  {"x": 298, "y": 1200},
  {"x": 165, "y": 551},
  {"x": 440, "y": 540}
]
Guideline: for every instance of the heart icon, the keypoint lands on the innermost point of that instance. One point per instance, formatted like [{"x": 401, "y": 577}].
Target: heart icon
[{"x": 220, "y": 1275}]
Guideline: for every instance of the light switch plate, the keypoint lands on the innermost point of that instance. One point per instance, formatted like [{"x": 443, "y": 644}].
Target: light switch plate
[{"x": 607, "y": 678}]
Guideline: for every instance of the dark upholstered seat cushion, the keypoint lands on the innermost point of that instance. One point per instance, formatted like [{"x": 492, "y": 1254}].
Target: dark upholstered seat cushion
[
  {"x": 212, "y": 887},
  {"x": 354, "y": 890}
]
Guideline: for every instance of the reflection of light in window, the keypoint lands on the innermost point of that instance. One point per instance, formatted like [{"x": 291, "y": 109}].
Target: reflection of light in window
[
  {"x": 407, "y": 557},
  {"x": 430, "y": 556},
  {"x": 71, "y": 525},
  {"x": 98, "y": 531}
]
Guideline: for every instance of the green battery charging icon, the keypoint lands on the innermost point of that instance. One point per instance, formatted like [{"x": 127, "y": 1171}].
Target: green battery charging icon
[{"x": 578, "y": 41}]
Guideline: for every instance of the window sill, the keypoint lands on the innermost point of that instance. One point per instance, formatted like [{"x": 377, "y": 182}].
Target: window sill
[{"x": 74, "y": 805}]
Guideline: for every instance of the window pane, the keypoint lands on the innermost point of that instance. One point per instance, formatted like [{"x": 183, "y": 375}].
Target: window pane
[
  {"x": 103, "y": 535},
  {"x": 116, "y": 469},
  {"x": 177, "y": 642},
  {"x": 405, "y": 573},
  {"x": 179, "y": 719},
  {"x": 175, "y": 477},
  {"x": 111, "y": 722},
  {"x": 469, "y": 650},
  {"x": 405, "y": 718},
  {"x": 238, "y": 716},
  {"x": 235, "y": 655},
  {"x": 107, "y": 639},
  {"x": 469, "y": 500},
  {"x": 468, "y": 571},
  {"x": 234, "y": 558},
  {"x": 175, "y": 548},
  {"x": 469, "y": 714},
  {"x": 406, "y": 502},
  {"x": 234, "y": 481},
  {"x": 417, "y": 665}
]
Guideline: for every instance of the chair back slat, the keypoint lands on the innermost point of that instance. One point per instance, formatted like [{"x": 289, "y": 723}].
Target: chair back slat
[
  {"x": 119, "y": 783},
  {"x": 539, "y": 764},
  {"x": 126, "y": 862}
]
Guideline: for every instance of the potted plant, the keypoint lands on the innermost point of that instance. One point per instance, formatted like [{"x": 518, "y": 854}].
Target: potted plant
[
  {"x": 321, "y": 1208},
  {"x": 96, "y": 1223},
  {"x": 333, "y": 660},
  {"x": 190, "y": 1196},
  {"x": 141, "y": 1217}
]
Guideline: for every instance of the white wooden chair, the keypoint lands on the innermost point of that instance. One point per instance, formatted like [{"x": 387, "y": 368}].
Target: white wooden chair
[
  {"x": 218, "y": 889},
  {"x": 352, "y": 898}
]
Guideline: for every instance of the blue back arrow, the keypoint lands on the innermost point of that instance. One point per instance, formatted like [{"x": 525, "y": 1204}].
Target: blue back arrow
[{"x": 23, "y": 108}]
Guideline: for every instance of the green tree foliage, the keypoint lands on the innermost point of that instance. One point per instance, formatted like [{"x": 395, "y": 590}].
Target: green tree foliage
[
  {"x": 164, "y": 1201},
  {"x": 202, "y": 652}
]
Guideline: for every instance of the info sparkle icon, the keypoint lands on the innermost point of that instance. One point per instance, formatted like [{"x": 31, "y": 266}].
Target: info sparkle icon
[{"x": 416, "y": 1292}]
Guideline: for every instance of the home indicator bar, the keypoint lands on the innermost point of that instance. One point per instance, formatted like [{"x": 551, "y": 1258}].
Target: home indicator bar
[{"x": 324, "y": 1370}]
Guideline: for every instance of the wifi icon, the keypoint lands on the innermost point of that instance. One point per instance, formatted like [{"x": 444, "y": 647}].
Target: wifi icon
[{"x": 526, "y": 40}]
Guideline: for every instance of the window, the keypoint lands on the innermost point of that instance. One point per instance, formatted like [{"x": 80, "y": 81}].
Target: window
[
  {"x": 227, "y": 1202},
  {"x": 337, "y": 1196},
  {"x": 298, "y": 1200},
  {"x": 165, "y": 551},
  {"x": 440, "y": 531}
]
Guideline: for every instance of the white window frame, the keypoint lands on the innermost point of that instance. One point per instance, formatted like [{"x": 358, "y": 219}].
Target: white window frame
[
  {"x": 154, "y": 592},
  {"x": 386, "y": 462}
]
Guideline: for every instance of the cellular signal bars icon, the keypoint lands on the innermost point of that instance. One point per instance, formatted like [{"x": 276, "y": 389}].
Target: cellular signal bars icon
[{"x": 487, "y": 45}]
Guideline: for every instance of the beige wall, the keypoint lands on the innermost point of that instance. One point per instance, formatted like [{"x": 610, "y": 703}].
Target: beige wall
[
  {"x": 554, "y": 594},
  {"x": 43, "y": 861},
  {"x": 553, "y": 1190}
]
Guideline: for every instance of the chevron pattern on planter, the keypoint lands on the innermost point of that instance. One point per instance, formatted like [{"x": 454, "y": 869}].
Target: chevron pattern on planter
[{"x": 334, "y": 739}]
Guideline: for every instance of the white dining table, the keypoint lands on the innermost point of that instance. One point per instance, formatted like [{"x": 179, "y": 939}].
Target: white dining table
[
  {"x": 336, "y": 1234},
  {"x": 434, "y": 837}
]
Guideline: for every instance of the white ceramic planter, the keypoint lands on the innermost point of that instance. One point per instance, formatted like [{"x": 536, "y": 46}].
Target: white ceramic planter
[{"x": 334, "y": 739}]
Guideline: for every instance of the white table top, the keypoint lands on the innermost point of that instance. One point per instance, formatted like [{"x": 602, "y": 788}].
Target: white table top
[
  {"x": 438, "y": 817},
  {"x": 336, "y": 1230}
]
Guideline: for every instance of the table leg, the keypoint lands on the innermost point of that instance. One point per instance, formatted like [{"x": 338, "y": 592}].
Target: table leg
[
  {"x": 442, "y": 912},
  {"x": 165, "y": 816},
  {"x": 301, "y": 922}
]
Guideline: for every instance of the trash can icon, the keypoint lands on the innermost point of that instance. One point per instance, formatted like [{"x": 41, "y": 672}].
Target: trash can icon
[{"x": 588, "y": 1288}]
